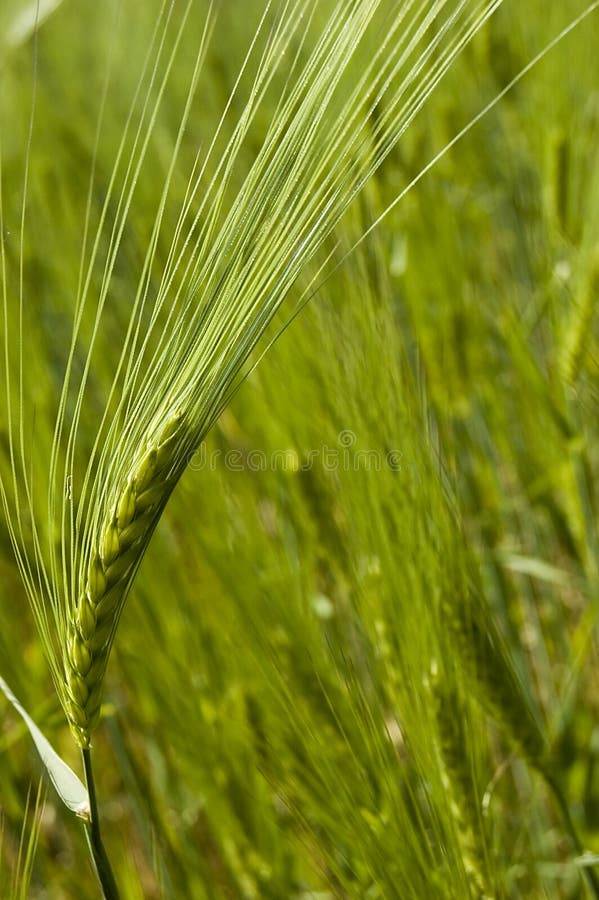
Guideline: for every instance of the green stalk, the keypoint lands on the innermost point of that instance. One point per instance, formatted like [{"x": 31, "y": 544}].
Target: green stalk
[
  {"x": 94, "y": 837},
  {"x": 557, "y": 792}
]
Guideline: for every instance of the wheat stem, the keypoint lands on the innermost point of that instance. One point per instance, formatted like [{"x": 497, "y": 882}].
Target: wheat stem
[{"x": 94, "y": 836}]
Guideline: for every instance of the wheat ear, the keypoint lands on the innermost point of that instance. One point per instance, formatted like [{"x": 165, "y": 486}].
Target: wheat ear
[
  {"x": 122, "y": 541},
  {"x": 456, "y": 773},
  {"x": 494, "y": 677}
]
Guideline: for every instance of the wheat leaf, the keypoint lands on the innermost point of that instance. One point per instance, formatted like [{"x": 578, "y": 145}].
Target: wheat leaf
[{"x": 70, "y": 788}]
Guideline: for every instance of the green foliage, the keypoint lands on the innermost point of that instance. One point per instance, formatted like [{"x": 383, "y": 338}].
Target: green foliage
[{"x": 385, "y": 549}]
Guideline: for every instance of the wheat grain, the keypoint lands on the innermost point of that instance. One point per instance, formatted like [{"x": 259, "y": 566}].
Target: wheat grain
[{"x": 121, "y": 543}]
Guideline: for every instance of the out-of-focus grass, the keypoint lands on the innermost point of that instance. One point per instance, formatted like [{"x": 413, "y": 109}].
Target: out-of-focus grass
[{"x": 270, "y": 727}]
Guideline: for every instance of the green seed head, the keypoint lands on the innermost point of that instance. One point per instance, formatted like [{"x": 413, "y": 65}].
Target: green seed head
[
  {"x": 96, "y": 579},
  {"x": 110, "y": 546},
  {"x": 121, "y": 541},
  {"x": 77, "y": 688},
  {"x": 86, "y": 618},
  {"x": 80, "y": 656},
  {"x": 126, "y": 507},
  {"x": 146, "y": 470}
]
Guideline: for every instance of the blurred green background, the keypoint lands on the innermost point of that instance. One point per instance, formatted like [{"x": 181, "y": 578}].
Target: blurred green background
[{"x": 271, "y": 724}]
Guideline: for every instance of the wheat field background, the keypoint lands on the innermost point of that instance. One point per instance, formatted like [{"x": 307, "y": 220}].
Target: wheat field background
[{"x": 373, "y": 594}]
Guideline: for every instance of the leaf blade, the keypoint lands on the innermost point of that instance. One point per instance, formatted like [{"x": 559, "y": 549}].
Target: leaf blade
[{"x": 68, "y": 785}]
